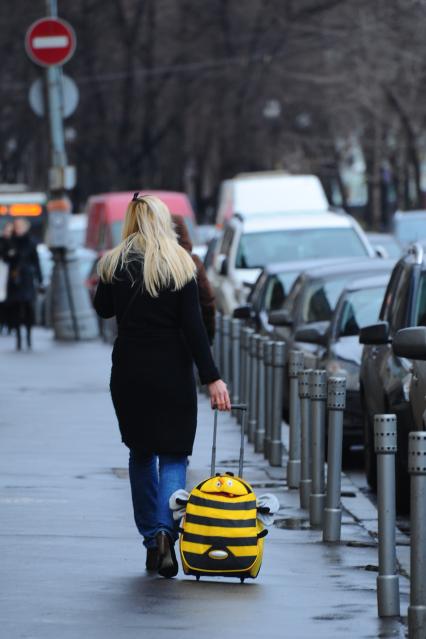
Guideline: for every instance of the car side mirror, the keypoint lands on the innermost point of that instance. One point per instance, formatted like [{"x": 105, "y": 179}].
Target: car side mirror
[
  {"x": 315, "y": 333},
  {"x": 280, "y": 318},
  {"x": 380, "y": 251},
  {"x": 410, "y": 343},
  {"x": 375, "y": 334},
  {"x": 243, "y": 312}
]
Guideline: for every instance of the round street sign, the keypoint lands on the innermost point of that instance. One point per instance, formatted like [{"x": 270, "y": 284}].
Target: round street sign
[
  {"x": 50, "y": 41},
  {"x": 69, "y": 96}
]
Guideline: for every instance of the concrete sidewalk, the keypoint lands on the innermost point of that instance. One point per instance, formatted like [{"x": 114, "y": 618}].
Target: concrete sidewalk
[{"x": 72, "y": 565}]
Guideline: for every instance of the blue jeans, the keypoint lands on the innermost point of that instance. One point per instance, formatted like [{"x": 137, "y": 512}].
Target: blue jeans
[{"x": 153, "y": 479}]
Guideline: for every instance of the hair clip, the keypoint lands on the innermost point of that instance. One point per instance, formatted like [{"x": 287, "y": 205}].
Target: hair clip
[{"x": 135, "y": 196}]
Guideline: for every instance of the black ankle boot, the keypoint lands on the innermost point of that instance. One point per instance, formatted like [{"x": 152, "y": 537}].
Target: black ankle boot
[
  {"x": 168, "y": 565},
  {"x": 152, "y": 558}
]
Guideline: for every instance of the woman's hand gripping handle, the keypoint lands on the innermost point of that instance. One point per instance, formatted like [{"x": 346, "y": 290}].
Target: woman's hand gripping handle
[{"x": 219, "y": 397}]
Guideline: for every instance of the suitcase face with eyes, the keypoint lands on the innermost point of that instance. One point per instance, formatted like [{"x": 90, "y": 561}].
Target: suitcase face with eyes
[{"x": 221, "y": 534}]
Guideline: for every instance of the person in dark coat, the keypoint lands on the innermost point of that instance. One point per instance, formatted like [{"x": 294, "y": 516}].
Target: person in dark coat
[
  {"x": 24, "y": 275},
  {"x": 148, "y": 282},
  {"x": 207, "y": 302},
  {"x": 5, "y": 238}
]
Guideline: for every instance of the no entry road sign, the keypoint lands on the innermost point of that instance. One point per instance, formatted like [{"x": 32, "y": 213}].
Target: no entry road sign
[{"x": 50, "y": 41}]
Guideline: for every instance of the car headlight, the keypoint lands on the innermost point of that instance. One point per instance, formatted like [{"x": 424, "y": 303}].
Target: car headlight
[{"x": 349, "y": 370}]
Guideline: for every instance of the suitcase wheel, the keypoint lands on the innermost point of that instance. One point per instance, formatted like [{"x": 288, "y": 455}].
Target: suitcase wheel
[
  {"x": 242, "y": 579},
  {"x": 197, "y": 577}
]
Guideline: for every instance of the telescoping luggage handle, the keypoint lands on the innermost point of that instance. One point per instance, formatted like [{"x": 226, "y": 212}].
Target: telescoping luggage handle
[{"x": 242, "y": 407}]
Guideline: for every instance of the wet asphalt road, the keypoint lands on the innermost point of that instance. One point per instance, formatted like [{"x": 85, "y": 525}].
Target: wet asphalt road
[{"x": 72, "y": 564}]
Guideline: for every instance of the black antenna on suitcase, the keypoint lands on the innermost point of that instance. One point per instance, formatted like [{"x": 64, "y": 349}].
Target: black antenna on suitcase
[{"x": 242, "y": 407}]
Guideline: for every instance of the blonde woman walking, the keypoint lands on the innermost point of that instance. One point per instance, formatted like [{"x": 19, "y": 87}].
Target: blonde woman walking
[{"x": 148, "y": 283}]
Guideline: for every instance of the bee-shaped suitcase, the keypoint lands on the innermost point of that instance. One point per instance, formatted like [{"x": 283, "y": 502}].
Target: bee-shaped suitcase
[{"x": 220, "y": 533}]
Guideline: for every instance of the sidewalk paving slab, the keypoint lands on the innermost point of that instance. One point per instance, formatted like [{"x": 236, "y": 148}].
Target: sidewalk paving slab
[{"x": 72, "y": 564}]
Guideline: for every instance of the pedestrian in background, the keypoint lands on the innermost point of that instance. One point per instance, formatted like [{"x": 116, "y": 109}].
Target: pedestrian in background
[
  {"x": 24, "y": 277},
  {"x": 205, "y": 292},
  {"x": 5, "y": 237},
  {"x": 149, "y": 283}
]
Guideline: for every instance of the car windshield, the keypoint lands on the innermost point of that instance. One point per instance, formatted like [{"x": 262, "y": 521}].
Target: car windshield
[
  {"x": 257, "y": 249},
  {"x": 410, "y": 229},
  {"x": 321, "y": 297},
  {"x": 360, "y": 308}
]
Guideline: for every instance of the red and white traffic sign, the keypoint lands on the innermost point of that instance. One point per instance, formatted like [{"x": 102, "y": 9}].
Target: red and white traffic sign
[{"x": 50, "y": 41}]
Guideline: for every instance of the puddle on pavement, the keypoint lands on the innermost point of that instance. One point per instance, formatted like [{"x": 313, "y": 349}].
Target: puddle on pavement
[{"x": 292, "y": 523}]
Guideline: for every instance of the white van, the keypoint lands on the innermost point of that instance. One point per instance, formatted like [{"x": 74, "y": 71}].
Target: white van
[{"x": 270, "y": 192}]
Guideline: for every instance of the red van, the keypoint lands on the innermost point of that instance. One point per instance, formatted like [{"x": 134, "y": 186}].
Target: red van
[{"x": 105, "y": 215}]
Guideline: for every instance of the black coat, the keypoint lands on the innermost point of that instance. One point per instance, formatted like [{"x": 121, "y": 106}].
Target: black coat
[
  {"x": 24, "y": 269},
  {"x": 152, "y": 379}
]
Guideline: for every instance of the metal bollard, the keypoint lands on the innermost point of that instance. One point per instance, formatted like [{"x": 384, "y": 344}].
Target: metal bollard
[
  {"x": 387, "y": 580},
  {"x": 217, "y": 346},
  {"x": 260, "y": 424},
  {"x": 305, "y": 425},
  {"x": 278, "y": 360},
  {"x": 318, "y": 394},
  {"x": 336, "y": 404},
  {"x": 247, "y": 368},
  {"x": 226, "y": 343},
  {"x": 417, "y": 470},
  {"x": 235, "y": 337},
  {"x": 243, "y": 346},
  {"x": 269, "y": 393},
  {"x": 254, "y": 365},
  {"x": 295, "y": 366}
]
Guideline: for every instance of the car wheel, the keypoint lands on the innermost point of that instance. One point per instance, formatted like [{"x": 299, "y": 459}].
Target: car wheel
[{"x": 370, "y": 461}]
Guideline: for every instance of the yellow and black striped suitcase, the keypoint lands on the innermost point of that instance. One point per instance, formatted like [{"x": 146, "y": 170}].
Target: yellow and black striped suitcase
[{"x": 220, "y": 532}]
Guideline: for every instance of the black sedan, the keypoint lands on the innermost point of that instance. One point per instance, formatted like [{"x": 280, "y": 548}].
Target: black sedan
[{"x": 358, "y": 305}]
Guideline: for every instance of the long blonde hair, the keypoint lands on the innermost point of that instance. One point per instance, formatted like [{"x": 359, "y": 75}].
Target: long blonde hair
[{"x": 149, "y": 237}]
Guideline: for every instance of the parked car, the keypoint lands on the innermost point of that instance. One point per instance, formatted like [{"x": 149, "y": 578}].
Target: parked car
[
  {"x": 270, "y": 192},
  {"x": 385, "y": 377},
  {"x": 248, "y": 245},
  {"x": 385, "y": 244},
  {"x": 410, "y": 343},
  {"x": 409, "y": 227},
  {"x": 311, "y": 303},
  {"x": 271, "y": 290},
  {"x": 358, "y": 305}
]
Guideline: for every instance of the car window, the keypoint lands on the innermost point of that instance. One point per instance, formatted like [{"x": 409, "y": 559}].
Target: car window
[
  {"x": 420, "y": 313},
  {"x": 295, "y": 291},
  {"x": 265, "y": 247},
  {"x": 226, "y": 243},
  {"x": 257, "y": 294},
  {"x": 360, "y": 309},
  {"x": 397, "y": 311},
  {"x": 321, "y": 298},
  {"x": 277, "y": 290}
]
